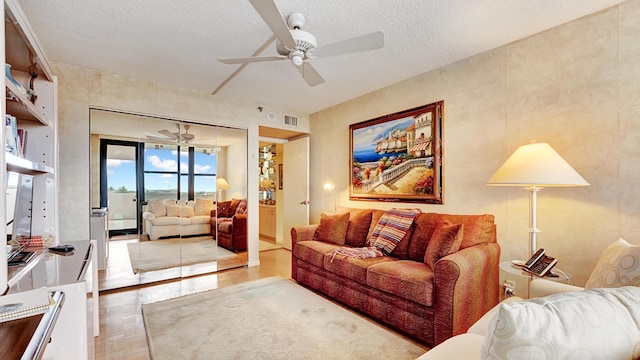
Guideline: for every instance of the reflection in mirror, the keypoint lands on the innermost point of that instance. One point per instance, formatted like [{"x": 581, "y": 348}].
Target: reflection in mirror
[
  {"x": 155, "y": 179},
  {"x": 19, "y": 196}
]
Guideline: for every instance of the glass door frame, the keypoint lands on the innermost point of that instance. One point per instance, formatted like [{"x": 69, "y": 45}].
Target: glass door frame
[{"x": 104, "y": 189}]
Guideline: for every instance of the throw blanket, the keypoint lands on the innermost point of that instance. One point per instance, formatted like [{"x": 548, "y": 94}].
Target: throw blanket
[
  {"x": 390, "y": 229},
  {"x": 358, "y": 253}
]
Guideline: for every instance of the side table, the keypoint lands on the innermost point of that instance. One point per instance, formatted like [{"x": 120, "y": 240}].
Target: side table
[{"x": 520, "y": 279}]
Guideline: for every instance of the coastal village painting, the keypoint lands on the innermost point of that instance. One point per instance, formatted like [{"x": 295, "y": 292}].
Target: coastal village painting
[{"x": 398, "y": 157}]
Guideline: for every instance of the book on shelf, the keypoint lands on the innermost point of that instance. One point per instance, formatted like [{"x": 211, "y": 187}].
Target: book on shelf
[
  {"x": 10, "y": 133},
  {"x": 22, "y": 142},
  {"x": 15, "y": 138},
  {"x": 24, "y": 304}
]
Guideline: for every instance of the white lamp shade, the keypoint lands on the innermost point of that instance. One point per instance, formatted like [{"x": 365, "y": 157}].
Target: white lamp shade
[
  {"x": 222, "y": 184},
  {"x": 536, "y": 164}
]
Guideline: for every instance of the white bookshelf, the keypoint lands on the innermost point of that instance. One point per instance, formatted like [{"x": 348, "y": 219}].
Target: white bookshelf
[{"x": 39, "y": 119}]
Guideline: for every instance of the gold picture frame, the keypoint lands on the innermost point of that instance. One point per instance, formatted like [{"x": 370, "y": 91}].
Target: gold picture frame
[{"x": 398, "y": 157}]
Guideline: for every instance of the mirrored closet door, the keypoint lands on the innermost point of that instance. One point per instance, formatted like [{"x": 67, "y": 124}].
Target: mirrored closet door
[{"x": 154, "y": 184}]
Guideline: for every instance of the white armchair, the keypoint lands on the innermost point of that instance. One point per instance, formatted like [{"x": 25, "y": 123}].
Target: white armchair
[{"x": 619, "y": 266}]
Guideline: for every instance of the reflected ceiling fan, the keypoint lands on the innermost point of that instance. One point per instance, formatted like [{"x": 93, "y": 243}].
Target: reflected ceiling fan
[
  {"x": 299, "y": 46},
  {"x": 177, "y": 136}
]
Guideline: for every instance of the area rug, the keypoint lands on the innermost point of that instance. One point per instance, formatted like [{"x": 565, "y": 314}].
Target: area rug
[
  {"x": 169, "y": 253},
  {"x": 271, "y": 318}
]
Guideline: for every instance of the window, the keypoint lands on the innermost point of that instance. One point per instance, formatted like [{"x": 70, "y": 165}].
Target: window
[{"x": 168, "y": 168}]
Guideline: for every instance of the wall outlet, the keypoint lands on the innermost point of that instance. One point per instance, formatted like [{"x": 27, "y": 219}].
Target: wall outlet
[{"x": 509, "y": 287}]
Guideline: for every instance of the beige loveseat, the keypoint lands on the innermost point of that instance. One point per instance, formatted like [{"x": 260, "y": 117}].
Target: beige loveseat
[
  {"x": 562, "y": 321},
  {"x": 170, "y": 218}
]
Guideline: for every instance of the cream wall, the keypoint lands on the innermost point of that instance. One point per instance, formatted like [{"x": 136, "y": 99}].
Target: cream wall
[
  {"x": 576, "y": 87},
  {"x": 82, "y": 88}
]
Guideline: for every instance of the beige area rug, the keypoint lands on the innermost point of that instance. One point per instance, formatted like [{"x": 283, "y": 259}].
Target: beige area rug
[
  {"x": 271, "y": 318},
  {"x": 170, "y": 253}
]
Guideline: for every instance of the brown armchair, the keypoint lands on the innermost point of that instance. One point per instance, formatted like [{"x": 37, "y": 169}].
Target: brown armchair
[{"x": 230, "y": 220}]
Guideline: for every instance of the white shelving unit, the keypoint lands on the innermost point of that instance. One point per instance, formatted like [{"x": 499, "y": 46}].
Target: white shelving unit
[{"x": 22, "y": 50}]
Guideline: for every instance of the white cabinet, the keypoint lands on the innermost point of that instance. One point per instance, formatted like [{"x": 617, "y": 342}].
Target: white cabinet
[
  {"x": 73, "y": 274},
  {"x": 267, "y": 221},
  {"x": 34, "y": 116},
  {"x": 100, "y": 232}
]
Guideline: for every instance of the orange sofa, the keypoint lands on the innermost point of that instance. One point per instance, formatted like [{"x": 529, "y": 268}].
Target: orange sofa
[{"x": 428, "y": 298}]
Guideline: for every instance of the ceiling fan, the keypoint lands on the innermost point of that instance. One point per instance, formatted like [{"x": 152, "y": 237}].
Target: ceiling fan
[
  {"x": 299, "y": 46},
  {"x": 177, "y": 136}
]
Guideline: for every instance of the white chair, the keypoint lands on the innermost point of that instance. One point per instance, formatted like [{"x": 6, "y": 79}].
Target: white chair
[{"x": 618, "y": 266}]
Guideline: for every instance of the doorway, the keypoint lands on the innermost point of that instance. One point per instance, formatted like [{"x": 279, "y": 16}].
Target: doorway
[{"x": 120, "y": 184}]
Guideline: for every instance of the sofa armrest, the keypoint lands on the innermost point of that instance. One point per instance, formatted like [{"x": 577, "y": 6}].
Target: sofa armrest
[
  {"x": 466, "y": 287},
  {"x": 302, "y": 233},
  {"x": 213, "y": 213},
  {"x": 544, "y": 287},
  {"x": 148, "y": 215}
]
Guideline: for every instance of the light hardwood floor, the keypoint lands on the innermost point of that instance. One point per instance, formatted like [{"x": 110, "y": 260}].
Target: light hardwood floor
[{"x": 122, "y": 334}]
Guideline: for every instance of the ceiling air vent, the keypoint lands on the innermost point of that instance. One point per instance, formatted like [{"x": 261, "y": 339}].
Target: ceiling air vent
[{"x": 290, "y": 120}]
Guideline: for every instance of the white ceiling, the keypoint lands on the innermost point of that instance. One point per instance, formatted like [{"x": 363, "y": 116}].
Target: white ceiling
[{"x": 179, "y": 42}]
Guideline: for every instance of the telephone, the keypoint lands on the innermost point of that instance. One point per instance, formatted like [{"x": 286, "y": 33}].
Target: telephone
[{"x": 540, "y": 264}]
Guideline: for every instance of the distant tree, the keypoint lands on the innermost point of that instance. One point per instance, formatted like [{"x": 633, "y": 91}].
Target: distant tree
[
  {"x": 121, "y": 189},
  {"x": 111, "y": 188}
]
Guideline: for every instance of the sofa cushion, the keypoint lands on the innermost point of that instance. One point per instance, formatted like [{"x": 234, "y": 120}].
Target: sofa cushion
[
  {"x": 225, "y": 225},
  {"x": 405, "y": 278},
  {"x": 157, "y": 207},
  {"x": 242, "y": 207},
  {"x": 376, "y": 214},
  {"x": 463, "y": 346},
  {"x": 313, "y": 252},
  {"x": 182, "y": 202},
  {"x": 332, "y": 228},
  {"x": 233, "y": 205},
  {"x": 619, "y": 265},
  {"x": 425, "y": 225},
  {"x": 593, "y": 324},
  {"x": 171, "y": 220},
  {"x": 200, "y": 219},
  {"x": 203, "y": 206},
  {"x": 446, "y": 240},
  {"x": 358, "y": 228},
  {"x": 352, "y": 268},
  {"x": 181, "y": 211},
  {"x": 478, "y": 229},
  {"x": 222, "y": 209}
]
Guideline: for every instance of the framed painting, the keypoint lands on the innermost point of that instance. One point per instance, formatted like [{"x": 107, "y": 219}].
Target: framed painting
[{"x": 398, "y": 157}]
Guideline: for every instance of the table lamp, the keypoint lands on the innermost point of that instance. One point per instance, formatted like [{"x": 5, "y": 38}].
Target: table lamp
[
  {"x": 221, "y": 184},
  {"x": 535, "y": 166}
]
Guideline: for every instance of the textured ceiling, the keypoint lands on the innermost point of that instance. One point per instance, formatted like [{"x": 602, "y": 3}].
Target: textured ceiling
[{"x": 179, "y": 42}]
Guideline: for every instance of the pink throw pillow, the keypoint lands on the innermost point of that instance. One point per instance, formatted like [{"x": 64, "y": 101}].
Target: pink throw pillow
[
  {"x": 332, "y": 228},
  {"x": 446, "y": 239}
]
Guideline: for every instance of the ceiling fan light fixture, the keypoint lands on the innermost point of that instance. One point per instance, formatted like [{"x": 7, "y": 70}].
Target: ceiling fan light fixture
[{"x": 296, "y": 58}]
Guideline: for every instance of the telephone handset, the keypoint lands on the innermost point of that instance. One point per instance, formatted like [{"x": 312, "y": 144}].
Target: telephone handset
[
  {"x": 538, "y": 254},
  {"x": 540, "y": 264}
]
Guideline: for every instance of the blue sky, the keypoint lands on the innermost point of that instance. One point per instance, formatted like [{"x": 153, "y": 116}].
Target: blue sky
[{"x": 123, "y": 172}]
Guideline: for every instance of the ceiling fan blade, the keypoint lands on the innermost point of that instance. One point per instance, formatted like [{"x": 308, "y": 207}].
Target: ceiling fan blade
[
  {"x": 168, "y": 134},
  {"x": 310, "y": 75},
  {"x": 271, "y": 15},
  {"x": 252, "y": 59},
  {"x": 371, "y": 41},
  {"x": 235, "y": 73}
]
